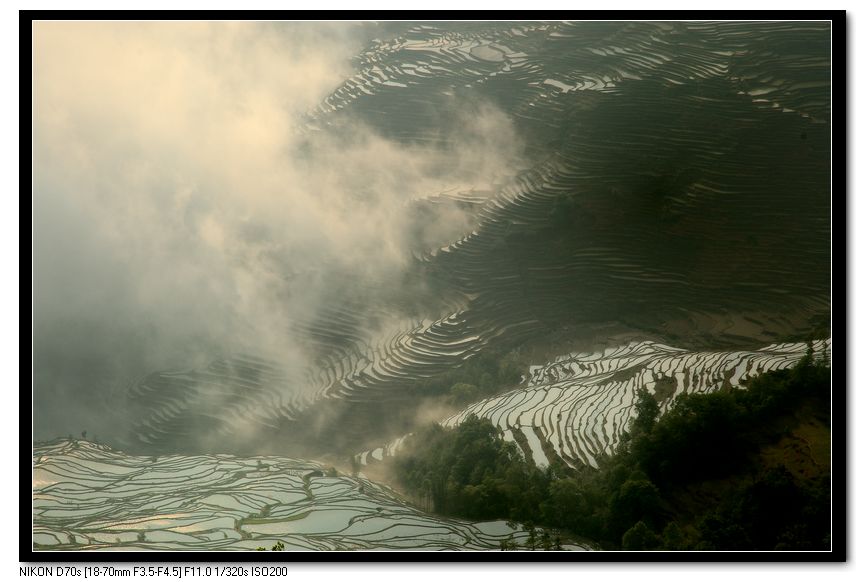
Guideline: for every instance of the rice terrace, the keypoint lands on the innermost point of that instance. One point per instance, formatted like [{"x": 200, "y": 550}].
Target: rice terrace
[{"x": 415, "y": 286}]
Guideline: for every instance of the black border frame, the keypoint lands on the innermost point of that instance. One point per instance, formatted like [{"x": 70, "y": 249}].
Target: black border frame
[{"x": 840, "y": 398}]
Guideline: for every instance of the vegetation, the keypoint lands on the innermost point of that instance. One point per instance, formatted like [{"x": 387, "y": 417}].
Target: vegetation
[
  {"x": 539, "y": 539},
  {"x": 732, "y": 470},
  {"x": 470, "y": 472}
]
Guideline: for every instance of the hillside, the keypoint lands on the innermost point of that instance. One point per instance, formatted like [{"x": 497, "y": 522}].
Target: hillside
[
  {"x": 730, "y": 470},
  {"x": 587, "y": 181},
  {"x": 433, "y": 285}
]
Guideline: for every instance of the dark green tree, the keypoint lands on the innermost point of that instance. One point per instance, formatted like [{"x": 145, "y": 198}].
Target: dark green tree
[
  {"x": 672, "y": 537},
  {"x": 647, "y": 412},
  {"x": 639, "y": 537}
]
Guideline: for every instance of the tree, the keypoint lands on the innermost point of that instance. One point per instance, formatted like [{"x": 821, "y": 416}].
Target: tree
[
  {"x": 532, "y": 542},
  {"x": 567, "y": 502},
  {"x": 508, "y": 544},
  {"x": 672, "y": 537},
  {"x": 639, "y": 537},
  {"x": 636, "y": 500},
  {"x": 647, "y": 412}
]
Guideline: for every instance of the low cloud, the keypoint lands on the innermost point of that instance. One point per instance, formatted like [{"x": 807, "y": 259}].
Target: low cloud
[{"x": 182, "y": 211}]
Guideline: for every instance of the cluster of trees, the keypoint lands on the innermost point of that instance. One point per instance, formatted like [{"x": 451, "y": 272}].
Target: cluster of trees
[
  {"x": 470, "y": 472},
  {"x": 637, "y": 500},
  {"x": 538, "y": 539}
]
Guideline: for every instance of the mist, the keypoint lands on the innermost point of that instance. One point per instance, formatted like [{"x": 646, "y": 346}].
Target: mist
[{"x": 185, "y": 210}]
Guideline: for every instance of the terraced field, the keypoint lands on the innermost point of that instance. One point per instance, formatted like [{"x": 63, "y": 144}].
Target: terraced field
[
  {"x": 581, "y": 403},
  {"x": 91, "y": 497},
  {"x": 673, "y": 180},
  {"x": 576, "y": 407}
]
